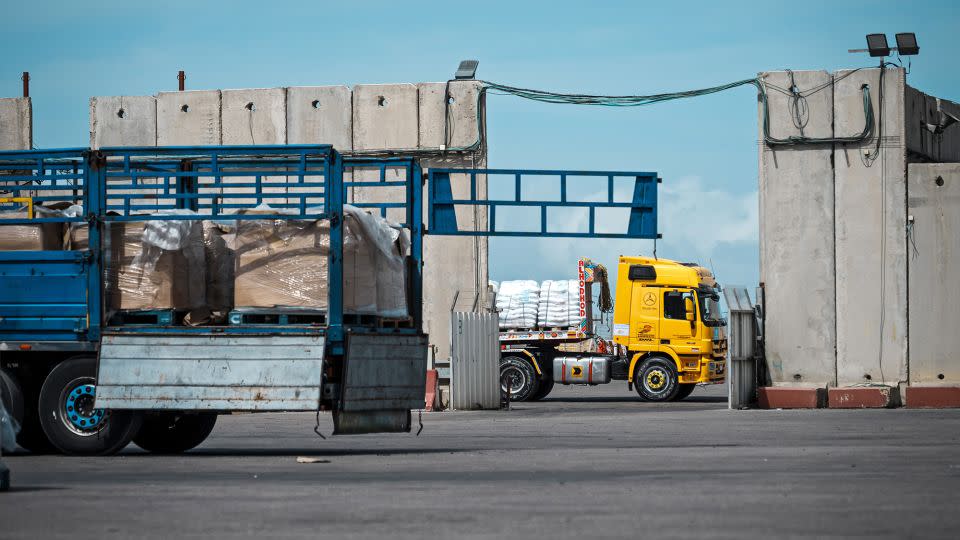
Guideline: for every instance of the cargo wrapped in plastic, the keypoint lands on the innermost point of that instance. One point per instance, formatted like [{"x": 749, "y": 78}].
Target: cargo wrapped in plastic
[
  {"x": 517, "y": 303},
  {"x": 30, "y": 237},
  {"x": 559, "y": 304},
  {"x": 157, "y": 264},
  {"x": 221, "y": 261},
  {"x": 284, "y": 263}
]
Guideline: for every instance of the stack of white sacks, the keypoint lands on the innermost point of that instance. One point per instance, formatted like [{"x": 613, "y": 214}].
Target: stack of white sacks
[
  {"x": 517, "y": 302},
  {"x": 551, "y": 304},
  {"x": 559, "y": 305}
]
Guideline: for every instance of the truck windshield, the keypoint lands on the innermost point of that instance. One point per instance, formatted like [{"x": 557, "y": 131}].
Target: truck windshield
[{"x": 710, "y": 308}]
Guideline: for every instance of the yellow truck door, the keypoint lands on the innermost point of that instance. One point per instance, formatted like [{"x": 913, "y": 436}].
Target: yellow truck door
[
  {"x": 676, "y": 332},
  {"x": 644, "y": 317}
]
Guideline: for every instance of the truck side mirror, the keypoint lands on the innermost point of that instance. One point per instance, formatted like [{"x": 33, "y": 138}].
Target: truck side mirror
[{"x": 688, "y": 306}]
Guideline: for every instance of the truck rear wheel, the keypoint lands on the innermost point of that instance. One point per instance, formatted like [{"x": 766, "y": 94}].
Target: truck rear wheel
[
  {"x": 68, "y": 418},
  {"x": 174, "y": 432},
  {"x": 546, "y": 385},
  {"x": 518, "y": 377},
  {"x": 656, "y": 379},
  {"x": 12, "y": 396},
  {"x": 31, "y": 436},
  {"x": 684, "y": 391}
]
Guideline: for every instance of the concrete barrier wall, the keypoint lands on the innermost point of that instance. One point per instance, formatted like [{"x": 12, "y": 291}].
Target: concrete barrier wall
[
  {"x": 123, "y": 121},
  {"x": 871, "y": 263},
  {"x": 16, "y": 124},
  {"x": 188, "y": 118},
  {"x": 320, "y": 115},
  {"x": 797, "y": 237},
  {"x": 933, "y": 259},
  {"x": 254, "y": 116}
]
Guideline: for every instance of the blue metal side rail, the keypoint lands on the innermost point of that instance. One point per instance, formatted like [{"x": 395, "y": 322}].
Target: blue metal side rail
[
  {"x": 59, "y": 296},
  {"x": 642, "y": 206}
]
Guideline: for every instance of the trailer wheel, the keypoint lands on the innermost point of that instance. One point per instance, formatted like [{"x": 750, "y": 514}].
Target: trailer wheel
[
  {"x": 546, "y": 385},
  {"x": 31, "y": 436},
  {"x": 684, "y": 391},
  {"x": 69, "y": 419},
  {"x": 174, "y": 432},
  {"x": 656, "y": 379},
  {"x": 518, "y": 375},
  {"x": 12, "y": 396}
]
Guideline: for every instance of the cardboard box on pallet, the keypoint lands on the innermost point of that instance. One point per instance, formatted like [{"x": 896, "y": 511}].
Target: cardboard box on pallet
[
  {"x": 283, "y": 263},
  {"x": 155, "y": 265},
  {"x": 33, "y": 237}
]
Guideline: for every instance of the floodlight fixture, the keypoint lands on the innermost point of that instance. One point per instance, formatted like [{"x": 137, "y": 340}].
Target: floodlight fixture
[
  {"x": 467, "y": 70},
  {"x": 907, "y": 44},
  {"x": 877, "y": 45}
]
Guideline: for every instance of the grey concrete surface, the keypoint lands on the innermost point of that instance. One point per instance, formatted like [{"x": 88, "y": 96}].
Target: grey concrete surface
[
  {"x": 871, "y": 246},
  {"x": 320, "y": 115},
  {"x": 585, "y": 463},
  {"x": 188, "y": 118},
  {"x": 123, "y": 121},
  {"x": 933, "y": 258},
  {"x": 16, "y": 123},
  {"x": 796, "y": 236},
  {"x": 385, "y": 117}
]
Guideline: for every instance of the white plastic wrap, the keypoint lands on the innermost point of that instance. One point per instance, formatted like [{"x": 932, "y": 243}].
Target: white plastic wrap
[
  {"x": 559, "y": 304},
  {"x": 156, "y": 264},
  {"x": 283, "y": 263},
  {"x": 517, "y": 302}
]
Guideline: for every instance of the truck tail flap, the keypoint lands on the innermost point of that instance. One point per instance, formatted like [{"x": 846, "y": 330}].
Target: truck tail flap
[{"x": 207, "y": 372}]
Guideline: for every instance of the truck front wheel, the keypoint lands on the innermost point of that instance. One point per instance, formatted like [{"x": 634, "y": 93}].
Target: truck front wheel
[
  {"x": 684, "y": 391},
  {"x": 175, "y": 432},
  {"x": 68, "y": 418},
  {"x": 656, "y": 379},
  {"x": 519, "y": 378}
]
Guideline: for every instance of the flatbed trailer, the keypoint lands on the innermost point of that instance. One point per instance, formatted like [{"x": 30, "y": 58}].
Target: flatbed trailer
[{"x": 92, "y": 379}]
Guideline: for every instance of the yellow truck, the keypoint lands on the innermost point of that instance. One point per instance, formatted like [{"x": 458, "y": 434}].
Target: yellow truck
[{"x": 667, "y": 335}]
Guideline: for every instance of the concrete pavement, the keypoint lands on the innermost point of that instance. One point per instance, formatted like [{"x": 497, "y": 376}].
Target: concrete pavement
[{"x": 586, "y": 462}]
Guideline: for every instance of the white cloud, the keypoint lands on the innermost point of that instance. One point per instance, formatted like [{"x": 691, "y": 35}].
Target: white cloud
[{"x": 699, "y": 218}]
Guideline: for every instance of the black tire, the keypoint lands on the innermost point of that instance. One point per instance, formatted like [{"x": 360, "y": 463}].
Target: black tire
[
  {"x": 31, "y": 436},
  {"x": 546, "y": 385},
  {"x": 174, "y": 432},
  {"x": 684, "y": 391},
  {"x": 68, "y": 418},
  {"x": 12, "y": 396},
  {"x": 522, "y": 376},
  {"x": 656, "y": 379}
]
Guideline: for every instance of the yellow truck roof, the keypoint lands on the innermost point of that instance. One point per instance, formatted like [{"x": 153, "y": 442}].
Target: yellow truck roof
[{"x": 673, "y": 273}]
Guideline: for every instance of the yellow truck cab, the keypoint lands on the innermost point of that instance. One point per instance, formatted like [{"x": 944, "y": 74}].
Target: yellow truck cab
[
  {"x": 668, "y": 335},
  {"x": 667, "y": 316}
]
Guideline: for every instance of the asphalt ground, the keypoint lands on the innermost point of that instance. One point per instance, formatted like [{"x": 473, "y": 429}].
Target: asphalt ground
[{"x": 585, "y": 463}]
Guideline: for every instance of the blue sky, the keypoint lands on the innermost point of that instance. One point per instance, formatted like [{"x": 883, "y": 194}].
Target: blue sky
[{"x": 705, "y": 149}]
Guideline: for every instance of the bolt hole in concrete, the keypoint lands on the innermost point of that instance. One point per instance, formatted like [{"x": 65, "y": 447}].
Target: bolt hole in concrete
[
  {"x": 450, "y": 100},
  {"x": 250, "y": 107},
  {"x": 316, "y": 104},
  {"x": 939, "y": 181},
  {"x": 797, "y": 376},
  {"x": 940, "y": 376},
  {"x": 184, "y": 108},
  {"x": 867, "y": 376},
  {"x": 381, "y": 101},
  {"x": 120, "y": 113}
]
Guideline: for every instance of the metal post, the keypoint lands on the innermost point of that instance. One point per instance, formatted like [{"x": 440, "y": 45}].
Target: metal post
[
  {"x": 26, "y": 83},
  {"x": 182, "y": 80},
  {"x": 742, "y": 348}
]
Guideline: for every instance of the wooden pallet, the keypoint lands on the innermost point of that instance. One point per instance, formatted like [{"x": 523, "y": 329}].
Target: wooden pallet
[
  {"x": 277, "y": 316},
  {"x": 146, "y": 317}
]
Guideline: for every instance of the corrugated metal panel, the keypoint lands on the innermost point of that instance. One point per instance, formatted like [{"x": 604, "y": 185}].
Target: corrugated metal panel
[
  {"x": 242, "y": 373},
  {"x": 385, "y": 372},
  {"x": 741, "y": 355},
  {"x": 475, "y": 361}
]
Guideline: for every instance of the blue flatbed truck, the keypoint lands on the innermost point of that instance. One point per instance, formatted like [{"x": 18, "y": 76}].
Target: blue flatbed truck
[{"x": 84, "y": 381}]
